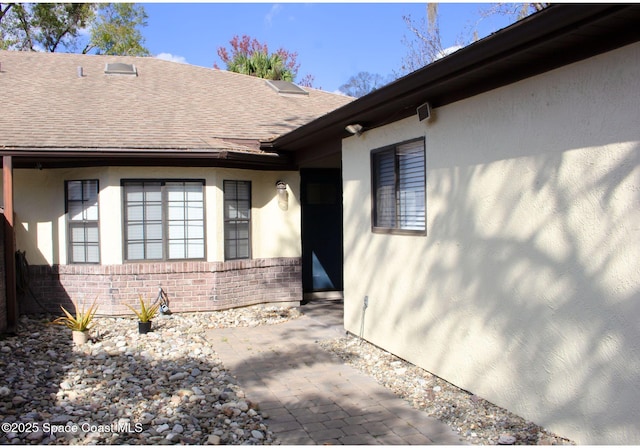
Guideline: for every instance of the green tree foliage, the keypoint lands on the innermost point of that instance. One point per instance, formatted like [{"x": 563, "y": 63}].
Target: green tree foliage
[
  {"x": 5, "y": 41},
  {"x": 262, "y": 65},
  {"x": 109, "y": 28},
  {"x": 45, "y": 26},
  {"x": 251, "y": 57},
  {"x": 116, "y": 30}
]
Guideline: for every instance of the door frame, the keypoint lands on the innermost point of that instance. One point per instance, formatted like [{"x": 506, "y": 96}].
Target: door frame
[{"x": 326, "y": 231}]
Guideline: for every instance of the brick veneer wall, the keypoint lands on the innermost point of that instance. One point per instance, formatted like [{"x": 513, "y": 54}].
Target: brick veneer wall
[{"x": 190, "y": 286}]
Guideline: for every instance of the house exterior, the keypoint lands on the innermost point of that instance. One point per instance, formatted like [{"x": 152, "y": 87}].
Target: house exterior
[
  {"x": 491, "y": 203},
  {"x": 125, "y": 175},
  {"x": 482, "y": 221}
]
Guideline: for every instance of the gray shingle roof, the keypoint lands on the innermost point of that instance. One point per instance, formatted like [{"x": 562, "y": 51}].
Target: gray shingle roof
[{"x": 168, "y": 106}]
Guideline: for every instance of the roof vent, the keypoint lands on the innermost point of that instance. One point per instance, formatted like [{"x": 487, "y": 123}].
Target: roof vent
[
  {"x": 286, "y": 88},
  {"x": 119, "y": 68}
]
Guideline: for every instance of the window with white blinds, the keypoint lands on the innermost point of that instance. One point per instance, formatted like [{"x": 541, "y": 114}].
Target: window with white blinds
[
  {"x": 164, "y": 220},
  {"x": 237, "y": 219},
  {"x": 81, "y": 208},
  {"x": 398, "y": 174}
]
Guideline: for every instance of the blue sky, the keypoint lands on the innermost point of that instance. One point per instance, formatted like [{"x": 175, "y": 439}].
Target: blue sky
[{"x": 334, "y": 41}]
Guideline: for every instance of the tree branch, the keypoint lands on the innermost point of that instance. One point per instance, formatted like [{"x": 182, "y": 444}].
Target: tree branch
[{"x": 4, "y": 11}]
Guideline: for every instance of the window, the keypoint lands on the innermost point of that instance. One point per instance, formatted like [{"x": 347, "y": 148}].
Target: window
[
  {"x": 164, "y": 220},
  {"x": 398, "y": 176},
  {"x": 81, "y": 208},
  {"x": 237, "y": 219}
]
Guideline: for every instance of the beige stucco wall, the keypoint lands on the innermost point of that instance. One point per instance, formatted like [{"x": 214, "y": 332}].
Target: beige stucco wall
[
  {"x": 40, "y": 219},
  {"x": 526, "y": 288}
]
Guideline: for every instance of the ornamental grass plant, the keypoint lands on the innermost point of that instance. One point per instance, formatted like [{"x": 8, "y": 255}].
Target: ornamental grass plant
[
  {"x": 146, "y": 312},
  {"x": 82, "y": 319}
]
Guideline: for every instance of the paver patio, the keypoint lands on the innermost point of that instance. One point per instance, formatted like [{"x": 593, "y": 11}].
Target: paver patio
[{"x": 311, "y": 397}]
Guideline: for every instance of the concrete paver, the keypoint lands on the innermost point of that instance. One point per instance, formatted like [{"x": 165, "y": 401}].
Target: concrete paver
[{"x": 311, "y": 396}]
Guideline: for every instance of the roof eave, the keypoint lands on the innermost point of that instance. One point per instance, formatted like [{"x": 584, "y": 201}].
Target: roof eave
[
  {"x": 41, "y": 158},
  {"x": 527, "y": 46}
]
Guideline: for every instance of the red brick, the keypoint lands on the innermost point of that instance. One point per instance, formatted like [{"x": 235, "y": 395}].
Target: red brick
[{"x": 190, "y": 286}]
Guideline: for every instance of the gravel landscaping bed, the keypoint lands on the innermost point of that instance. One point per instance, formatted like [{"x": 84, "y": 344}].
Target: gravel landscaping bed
[
  {"x": 165, "y": 387},
  {"x": 478, "y": 421},
  {"x": 169, "y": 386}
]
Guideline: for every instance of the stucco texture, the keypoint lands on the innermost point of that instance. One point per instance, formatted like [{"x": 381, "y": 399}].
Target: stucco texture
[
  {"x": 526, "y": 288},
  {"x": 41, "y": 222}
]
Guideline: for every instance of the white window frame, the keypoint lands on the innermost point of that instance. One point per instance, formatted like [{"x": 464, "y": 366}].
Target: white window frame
[
  {"x": 164, "y": 219},
  {"x": 237, "y": 219},
  {"x": 83, "y": 221}
]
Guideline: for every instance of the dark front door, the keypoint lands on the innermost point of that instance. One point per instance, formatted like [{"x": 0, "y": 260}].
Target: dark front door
[{"x": 321, "y": 192}]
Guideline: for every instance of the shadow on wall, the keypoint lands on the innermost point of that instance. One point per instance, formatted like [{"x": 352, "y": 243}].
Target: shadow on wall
[
  {"x": 30, "y": 282},
  {"x": 551, "y": 310},
  {"x": 38, "y": 287}
]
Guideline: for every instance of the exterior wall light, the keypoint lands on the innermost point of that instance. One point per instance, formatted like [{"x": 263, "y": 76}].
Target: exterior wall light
[
  {"x": 355, "y": 129},
  {"x": 283, "y": 195}
]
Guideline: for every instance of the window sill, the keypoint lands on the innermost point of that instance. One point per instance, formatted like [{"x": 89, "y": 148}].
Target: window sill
[{"x": 389, "y": 231}]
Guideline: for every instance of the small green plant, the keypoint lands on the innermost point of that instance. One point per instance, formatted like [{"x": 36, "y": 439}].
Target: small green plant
[
  {"x": 146, "y": 313},
  {"x": 82, "y": 319}
]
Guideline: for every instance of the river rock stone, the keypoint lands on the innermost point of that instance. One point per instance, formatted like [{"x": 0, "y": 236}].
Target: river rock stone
[
  {"x": 122, "y": 389},
  {"x": 257, "y": 434},
  {"x": 477, "y": 421},
  {"x": 213, "y": 440},
  {"x": 178, "y": 376},
  {"x": 128, "y": 381}
]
